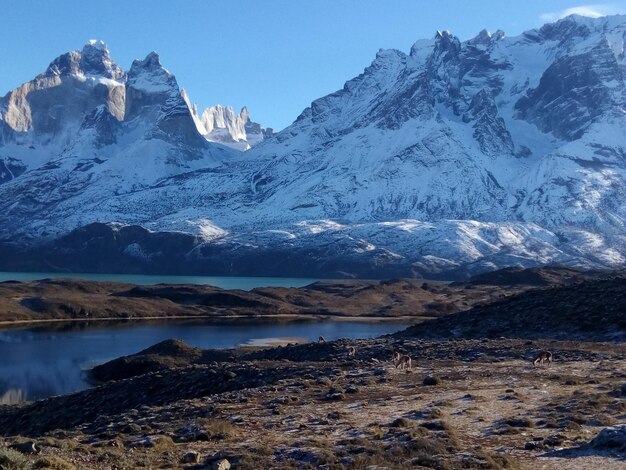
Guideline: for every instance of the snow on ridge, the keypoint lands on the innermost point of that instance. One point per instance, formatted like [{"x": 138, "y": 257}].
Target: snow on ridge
[{"x": 460, "y": 152}]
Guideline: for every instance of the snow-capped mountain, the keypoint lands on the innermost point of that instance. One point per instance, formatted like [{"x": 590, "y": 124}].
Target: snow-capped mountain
[
  {"x": 220, "y": 124},
  {"x": 460, "y": 156}
]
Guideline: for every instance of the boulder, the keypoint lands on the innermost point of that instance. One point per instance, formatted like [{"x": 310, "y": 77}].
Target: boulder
[
  {"x": 613, "y": 437},
  {"x": 190, "y": 457},
  {"x": 222, "y": 464}
]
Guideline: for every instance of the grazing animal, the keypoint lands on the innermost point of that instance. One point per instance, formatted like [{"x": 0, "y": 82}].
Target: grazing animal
[
  {"x": 321, "y": 340},
  {"x": 542, "y": 358},
  {"x": 396, "y": 357},
  {"x": 404, "y": 361},
  {"x": 351, "y": 351}
]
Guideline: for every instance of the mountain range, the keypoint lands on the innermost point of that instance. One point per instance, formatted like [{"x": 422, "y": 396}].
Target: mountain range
[{"x": 455, "y": 158}]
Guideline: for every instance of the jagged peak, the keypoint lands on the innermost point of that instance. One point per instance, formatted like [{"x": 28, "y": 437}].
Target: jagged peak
[
  {"x": 152, "y": 61},
  {"x": 92, "y": 60},
  {"x": 383, "y": 53},
  {"x": 96, "y": 60},
  {"x": 422, "y": 48},
  {"x": 443, "y": 34},
  {"x": 445, "y": 39},
  {"x": 97, "y": 44},
  {"x": 385, "y": 57},
  {"x": 483, "y": 37},
  {"x": 65, "y": 64},
  {"x": 148, "y": 75}
]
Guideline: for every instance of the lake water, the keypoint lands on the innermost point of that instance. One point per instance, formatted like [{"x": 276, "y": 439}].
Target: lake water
[
  {"x": 38, "y": 362},
  {"x": 225, "y": 282}
]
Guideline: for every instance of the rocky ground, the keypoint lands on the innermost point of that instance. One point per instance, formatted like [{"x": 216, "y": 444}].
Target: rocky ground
[
  {"x": 472, "y": 398},
  {"x": 464, "y": 404}
]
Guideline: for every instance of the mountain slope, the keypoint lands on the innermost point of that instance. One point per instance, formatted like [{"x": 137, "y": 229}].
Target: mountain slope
[{"x": 456, "y": 157}]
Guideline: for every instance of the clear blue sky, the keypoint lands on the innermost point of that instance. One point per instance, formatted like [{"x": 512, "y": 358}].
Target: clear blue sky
[{"x": 275, "y": 56}]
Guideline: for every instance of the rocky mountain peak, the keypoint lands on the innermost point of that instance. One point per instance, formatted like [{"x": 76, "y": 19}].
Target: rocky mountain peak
[
  {"x": 484, "y": 37},
  {"x": 65, "y": 64},
  {"x": 95, "y": 60},
  {"x": 148, "y": 75},
  {"x": 446, "y": 45},
  {"x": 222, "y": 125}
]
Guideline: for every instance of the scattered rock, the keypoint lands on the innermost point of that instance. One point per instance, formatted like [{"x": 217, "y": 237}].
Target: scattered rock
[
  {"x": 222, "y": 464},
  {"x": 131, "y": 428},
  {"x": 554, "y": 440},
  {"x": 334, "y": 396},
  {"x": 400, "y": 423},
  {"x": 190, "y": 457},
  {"x": 431, "y": 380},
  {"x": 150, "y": 442},
  {"x": 191, "y": 433},
  {"x": 333, "y": 415},
  {"x": 533, "y": 445}
]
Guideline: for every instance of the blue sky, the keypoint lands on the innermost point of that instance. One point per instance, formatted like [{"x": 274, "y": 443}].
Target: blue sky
[{"x": 275, "y": 56}]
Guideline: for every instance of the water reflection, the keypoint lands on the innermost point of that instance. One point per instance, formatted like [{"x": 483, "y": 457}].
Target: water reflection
[{"x": 46, "y": 360}]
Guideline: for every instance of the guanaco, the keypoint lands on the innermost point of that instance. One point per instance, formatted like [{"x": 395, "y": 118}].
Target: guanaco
[
  {"x": 396, "y": 357},
  {"x": 351, "y": 351},
  {"x": 321, "y": 340},
  {"x": 543, "y": 357},
  {"x": 404, "y": 361}
]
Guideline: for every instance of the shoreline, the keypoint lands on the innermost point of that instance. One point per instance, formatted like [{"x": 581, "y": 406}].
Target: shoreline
[{"x": 6, "y": 324}]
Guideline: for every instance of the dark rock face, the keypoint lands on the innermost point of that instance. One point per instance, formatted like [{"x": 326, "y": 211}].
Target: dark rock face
[
  {"x": 95, "y": 60},
  {"x": 572, "y": 92},
  {"x": 152, "y": 95},
  {"x": 489, "y": 128},
  {"x": 104, "y": 125},
  {"x": 65, "y": 64}
]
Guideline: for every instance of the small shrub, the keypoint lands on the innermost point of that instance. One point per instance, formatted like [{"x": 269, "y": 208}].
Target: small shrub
[
  {"x": 13, "y": 460},
  {"x": 217, "y": 428},
  {"x": 400, "y": 423},
  {"x": 435, "y": 413},
  {"x": 52, "y": 462},
  {"x": 436, "y": 425},
  {"x": 506, "y": 430},
  {"x": 518, "y": 422}
]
